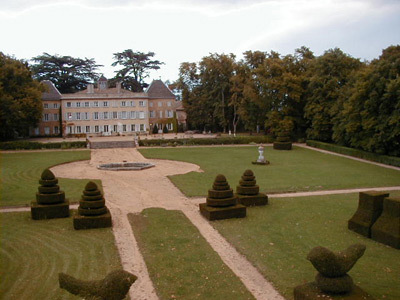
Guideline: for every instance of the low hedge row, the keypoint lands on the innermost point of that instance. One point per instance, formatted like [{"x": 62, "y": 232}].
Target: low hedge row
[
  {"x": 207, "y": 141},
  {"x": 27, "y": 145},
  {"x": 384, "y": 159}
]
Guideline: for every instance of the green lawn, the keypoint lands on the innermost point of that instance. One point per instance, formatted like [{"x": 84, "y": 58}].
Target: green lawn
[
  {"x": 181, "y": 264},
  {"x": 32, "y": 253},
  {"x": 20, "y": 174},
  {"x": 297, "y": 170},
  {"x": 277, "y": 238}
]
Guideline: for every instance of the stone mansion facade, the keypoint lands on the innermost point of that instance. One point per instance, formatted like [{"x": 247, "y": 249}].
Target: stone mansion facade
[{"x": 105, "y": 111}]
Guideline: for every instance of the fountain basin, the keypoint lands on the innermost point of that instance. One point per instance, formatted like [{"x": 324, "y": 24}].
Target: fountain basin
[{"x": 125, "y": 166}]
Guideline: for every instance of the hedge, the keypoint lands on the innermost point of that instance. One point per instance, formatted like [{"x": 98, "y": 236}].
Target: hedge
[
  {"x": 207, "y": 141},
  {"x": 26, "y": 145},
  {"x": 384, "y": 159}
]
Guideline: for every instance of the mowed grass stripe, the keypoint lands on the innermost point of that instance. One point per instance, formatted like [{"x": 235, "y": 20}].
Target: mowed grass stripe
[
  {"x": 34, "y": 252},
  {"x": 181, "y": 264},
  {"x": 20, "y": 174},
  {"x": 277, "y": 238},
  {"x": 297, "y": 170}
]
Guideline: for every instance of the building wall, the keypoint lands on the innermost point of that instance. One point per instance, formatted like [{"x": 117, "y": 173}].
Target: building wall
[
  {"x": 105, "y": 116},
  {"x": 160, "y": 110},
  {"x": 50, "y": 122}
]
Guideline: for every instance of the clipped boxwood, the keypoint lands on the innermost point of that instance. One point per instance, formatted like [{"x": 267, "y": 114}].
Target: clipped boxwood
[
  {"x": 207, "y": 141},
  {"x": 384, "y": 159},
  {"x": 27, "y": 145}
]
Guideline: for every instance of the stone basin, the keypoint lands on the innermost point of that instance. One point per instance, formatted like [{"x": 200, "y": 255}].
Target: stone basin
[{"x": 125, "y": 166}]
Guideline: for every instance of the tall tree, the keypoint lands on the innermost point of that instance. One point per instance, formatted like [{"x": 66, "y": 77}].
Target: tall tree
[
  {"x": 20, "y": 98},
  {"x": 135, "y": 68},
  {"x": 68, "y": 74},
  {"x": 330, "y": 74}
]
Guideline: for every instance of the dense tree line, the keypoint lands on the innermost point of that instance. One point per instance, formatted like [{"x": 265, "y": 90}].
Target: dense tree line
[{"x": 333, "y": 97}]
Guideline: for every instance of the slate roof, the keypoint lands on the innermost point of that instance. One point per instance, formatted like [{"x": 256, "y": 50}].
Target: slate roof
[
  {"x": 158, "y": 89},
  {"x": 52, "y": 92}
]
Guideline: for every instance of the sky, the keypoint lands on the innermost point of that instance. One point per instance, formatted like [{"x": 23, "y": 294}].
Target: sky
[{"x": 186, "y": 30}]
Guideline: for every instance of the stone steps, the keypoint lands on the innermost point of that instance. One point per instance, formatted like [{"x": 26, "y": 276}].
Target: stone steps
[{"x": 111, "y": 144}]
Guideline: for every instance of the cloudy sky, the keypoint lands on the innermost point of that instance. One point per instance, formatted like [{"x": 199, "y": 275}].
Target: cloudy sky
[{"x": 187, "y": 30}]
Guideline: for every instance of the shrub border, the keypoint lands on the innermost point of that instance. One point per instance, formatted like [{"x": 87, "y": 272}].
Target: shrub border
[
  {"x": 383, "y": 159},
  {"x": 27, "y": 145}
]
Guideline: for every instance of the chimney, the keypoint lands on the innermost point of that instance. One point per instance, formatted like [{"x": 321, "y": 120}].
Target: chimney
[
  {"x": 119, "y": 87},
  {"x": 90, "y": 88}
]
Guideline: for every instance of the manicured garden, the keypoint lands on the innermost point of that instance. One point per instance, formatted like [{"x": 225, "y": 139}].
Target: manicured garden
[
  {"x": 181, "y": 264},
  {"x": 297, "y": 170},
  {"x": 277, "y": 238},
  {"x": 34, "y": 252},
  {"x": 21, "y": 172}
]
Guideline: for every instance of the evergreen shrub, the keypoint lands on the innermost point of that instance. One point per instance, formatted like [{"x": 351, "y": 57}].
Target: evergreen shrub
[
  {"x": 384, "y": 159},
  {"x": 27, "y": 145}
]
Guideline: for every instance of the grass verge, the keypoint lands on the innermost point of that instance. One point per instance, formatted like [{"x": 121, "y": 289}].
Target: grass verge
[
  {"x": 297, "y": 170},
  {"x": 277, "y": 238},
  {"x": 20, "y": 174},
  {"x": 32, "y": 254},
  {"x": 181, "y": 263}
]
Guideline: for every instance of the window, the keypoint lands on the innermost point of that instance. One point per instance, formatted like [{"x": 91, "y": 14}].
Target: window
[
  {"x": 86, "y": 116},
  {"x": 55, "y": 105},
  {"x": 69, "y": 104},
  {"x": 132, "y": 127},
  {"x": 123, "y": 103},
  {"x": 124, "y": 127},
  {"x": 96, "y": 103},
  {"x": 69, "y": 116},
  {"x": 78, "y": 115},
  {"x": 69, "y": 129},
  {"x": 105, "y": 128},
  {"x": 105, "y": 103},
  {"x": 142, "y": 103},
  {"x": 115, "y": 115},
  {"x": 96, "y": 128},
  {"x": 141, "y": 114},
  {"x": 160, "y": 113},
  {"x": 169, "y": 103},
  {"x": 55, "y": 117},
  {"x": 159, "y": 104},
  {"x": 87, "y": 129},
  {"x": 37, "y": 131},
  {"x": 170, "y": 113},
  {"x": 132, "y": 103},
  {"x": 78, "y": 129},
  {"x": 142, "y": 127},
  {"x": 47, "y": 130},
  {"x": 95, "y": 115},
  {"x": 151, "y": 104},
  {"x": 46, "y": 105},
  {"x": 123, "y": 115},
  {"x": 78, "y": 104},
  {"x": 169, "y": 126},
  {"x": 115, "y": 128},
  {"x": 105, "y": 115},
  {"x": 56, "y": 130},
  {"x": 133, "y": 115},
  {"x": 152, "y": 114},
  {"x": 87, "y": 104},
  {"x": 46, "y": 117}
]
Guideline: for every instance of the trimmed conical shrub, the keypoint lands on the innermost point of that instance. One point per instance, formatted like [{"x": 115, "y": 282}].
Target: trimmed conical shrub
[
  {"x": 50, "y": 200},
  {"x": 248, "y": 192}
]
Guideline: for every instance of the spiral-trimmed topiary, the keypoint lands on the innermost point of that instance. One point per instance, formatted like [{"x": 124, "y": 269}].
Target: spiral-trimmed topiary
[
  {"x": 92, "y": 212},
  {"x": 221, "y": 203},
  {"x": 248, "y": 192},
  {"x": 50, "y": 200}
]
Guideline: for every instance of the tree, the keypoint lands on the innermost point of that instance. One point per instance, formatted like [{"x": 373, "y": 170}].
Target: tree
[
  {"x": 20, "y": 98},
  {"x": 68, "y": 74},
  {"x": 330, "y": 74},
  {"x": 135, "y": 68},
  {"x": 155, "y": 129}
]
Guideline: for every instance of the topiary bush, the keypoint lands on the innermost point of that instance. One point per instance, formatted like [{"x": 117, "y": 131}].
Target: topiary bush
[
  {"x": 115, "y": 286},
  {"x": 248, "y": 192},
  {"x": 165, "y": 129},
  {"x": 283, "y": 142},
  {"x": 155, "y": 129},
  {"x": 50, "y": 200},
  {"x": 92, "y": 212}
]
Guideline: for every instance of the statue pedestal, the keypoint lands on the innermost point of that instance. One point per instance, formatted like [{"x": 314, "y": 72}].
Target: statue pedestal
[{"x": 309, "y": 291}]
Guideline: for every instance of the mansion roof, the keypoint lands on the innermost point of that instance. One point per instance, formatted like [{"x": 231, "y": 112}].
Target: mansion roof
[{"x": 52, "y": 92}]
